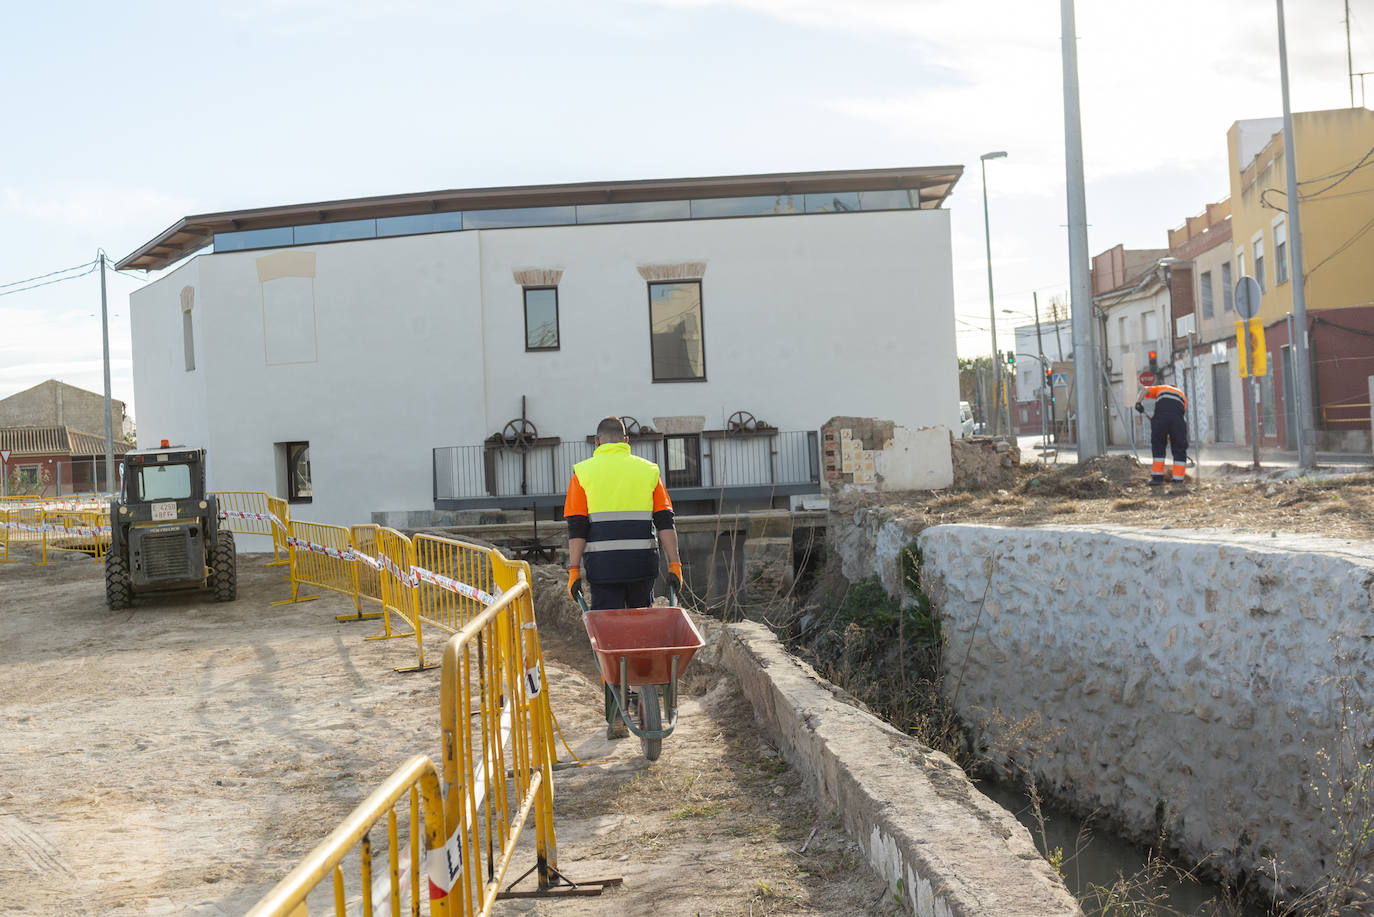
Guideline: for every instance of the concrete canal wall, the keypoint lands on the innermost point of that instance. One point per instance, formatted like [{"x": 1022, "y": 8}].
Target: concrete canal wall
[{"x": 1184, "y": 679}]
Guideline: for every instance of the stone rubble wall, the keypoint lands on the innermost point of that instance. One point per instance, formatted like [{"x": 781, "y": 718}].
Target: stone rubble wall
[{"x": 1184, "y": 678}]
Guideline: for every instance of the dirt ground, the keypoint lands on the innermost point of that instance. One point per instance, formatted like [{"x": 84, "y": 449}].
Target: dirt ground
[
  {"x": 181, "y": 756},
  {"x": 1113, "y": 489}
]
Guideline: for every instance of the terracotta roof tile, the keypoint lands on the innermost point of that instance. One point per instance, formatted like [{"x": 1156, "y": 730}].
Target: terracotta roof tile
[{"x": 20, "y": 441}]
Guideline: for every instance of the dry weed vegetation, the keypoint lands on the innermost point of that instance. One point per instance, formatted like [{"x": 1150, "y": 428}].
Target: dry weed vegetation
[{"x": 1113, "y": 489}]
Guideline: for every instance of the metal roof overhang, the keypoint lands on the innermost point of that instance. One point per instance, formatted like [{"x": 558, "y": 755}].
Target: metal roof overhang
[{"x": 189, "y": 234}]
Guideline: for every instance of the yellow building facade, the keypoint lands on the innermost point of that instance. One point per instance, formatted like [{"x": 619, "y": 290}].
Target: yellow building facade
[{"x": 1335, "y": 169}]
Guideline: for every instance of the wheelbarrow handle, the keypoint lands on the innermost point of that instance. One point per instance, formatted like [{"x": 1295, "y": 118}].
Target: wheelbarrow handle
[{"x": 672, "y": 599}]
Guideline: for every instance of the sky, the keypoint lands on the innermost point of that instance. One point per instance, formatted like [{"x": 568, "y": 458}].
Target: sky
[{"x": 122, "y": 119}]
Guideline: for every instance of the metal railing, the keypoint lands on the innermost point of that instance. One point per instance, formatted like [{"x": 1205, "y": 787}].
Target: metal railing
[
  {"x": 1363, "y": 418},
  {"x": 725, "y": 460}
]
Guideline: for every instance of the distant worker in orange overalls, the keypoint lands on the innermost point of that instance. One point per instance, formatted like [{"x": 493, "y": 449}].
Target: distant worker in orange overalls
[{"x": 1167, "y": 408}]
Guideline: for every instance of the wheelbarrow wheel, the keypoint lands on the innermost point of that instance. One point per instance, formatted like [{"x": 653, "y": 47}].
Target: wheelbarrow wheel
[{"x": 650, "y": 720}]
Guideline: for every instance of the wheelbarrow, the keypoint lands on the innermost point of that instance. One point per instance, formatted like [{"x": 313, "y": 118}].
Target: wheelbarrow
[{"x": 648, "y": 649}]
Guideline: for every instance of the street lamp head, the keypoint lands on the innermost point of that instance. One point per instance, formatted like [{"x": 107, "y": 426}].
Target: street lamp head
[{"x": 1000, "y": 154}]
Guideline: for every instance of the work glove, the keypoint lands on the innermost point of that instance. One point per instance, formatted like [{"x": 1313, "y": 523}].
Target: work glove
[
  {"x": 576, "y": 588},
  {"x": 675, "y": 578},
  {"x": 1139, "y": 408}
]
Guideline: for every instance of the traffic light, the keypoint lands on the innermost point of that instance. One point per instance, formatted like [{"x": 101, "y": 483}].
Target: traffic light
[
  {"x": 1154, "y": 362},
  {"x": 1011, "y": 358},
  {"x": 1049, "y": 384}
]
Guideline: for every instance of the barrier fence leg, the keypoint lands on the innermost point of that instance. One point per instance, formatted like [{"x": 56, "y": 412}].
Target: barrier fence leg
[
  {"x": 44, "y": 562},
  {"x": 295, "y": 583},
  {"x": 357, "y": 602},
  {"x": 545, "y": 840},
  {"x": 414, "y": 621}
]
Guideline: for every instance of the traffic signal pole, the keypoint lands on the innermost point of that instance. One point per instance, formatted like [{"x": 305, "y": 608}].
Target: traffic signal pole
[{"x": 1045, "y": 377}]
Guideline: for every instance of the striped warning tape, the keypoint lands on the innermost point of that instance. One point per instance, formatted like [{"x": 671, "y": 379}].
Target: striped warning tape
[
  {"x": 307, "y": 544},
  {"x": 413, "y": 578},
  {"x": 261, "y": 517},
  {"x": 453, "y": 585},
  {"x": 61, "y": 530}
]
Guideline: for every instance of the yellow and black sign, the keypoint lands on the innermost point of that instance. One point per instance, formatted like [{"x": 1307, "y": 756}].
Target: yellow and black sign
[{"x": 1256, "y": 347}]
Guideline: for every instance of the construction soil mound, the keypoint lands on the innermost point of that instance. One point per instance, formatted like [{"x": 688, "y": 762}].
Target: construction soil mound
[{"x": 1101, "y": 476}]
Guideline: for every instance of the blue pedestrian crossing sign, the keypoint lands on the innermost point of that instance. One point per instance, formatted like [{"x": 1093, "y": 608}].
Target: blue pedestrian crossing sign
[{"x": 1059, "y": 380}]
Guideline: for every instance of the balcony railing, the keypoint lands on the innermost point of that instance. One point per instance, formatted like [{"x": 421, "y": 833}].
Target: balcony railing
[{"x": 486, "y": 475}]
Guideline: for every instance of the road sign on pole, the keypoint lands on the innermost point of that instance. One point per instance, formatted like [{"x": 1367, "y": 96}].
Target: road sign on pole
[
  {"x": 1146, "y": 378},
  {"x": 1250, "y": 347},
  {"x": 1247, "y": 297}
]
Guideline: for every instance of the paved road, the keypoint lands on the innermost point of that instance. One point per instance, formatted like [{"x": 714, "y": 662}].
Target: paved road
[{"x": 1213, "y": 455}]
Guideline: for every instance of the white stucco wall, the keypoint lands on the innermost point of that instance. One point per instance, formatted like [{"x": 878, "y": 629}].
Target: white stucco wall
[
  {"x": 176, "y": 405},
  {"x": 419, "y": 342}
]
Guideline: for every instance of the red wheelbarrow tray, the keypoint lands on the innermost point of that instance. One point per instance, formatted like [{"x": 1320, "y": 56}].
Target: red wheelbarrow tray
[{"x": 648, "y": 639}]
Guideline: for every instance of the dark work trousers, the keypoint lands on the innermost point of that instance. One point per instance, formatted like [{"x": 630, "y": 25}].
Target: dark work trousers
[
  {"x": 635, "y": 594},
  {"x": 1169, "y": 430}
]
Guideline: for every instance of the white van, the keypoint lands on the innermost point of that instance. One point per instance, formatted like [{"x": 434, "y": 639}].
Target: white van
[{"x": 965, "y": 419}]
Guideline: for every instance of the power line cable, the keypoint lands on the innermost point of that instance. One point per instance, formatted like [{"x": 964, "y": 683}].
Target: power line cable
[
  {"x": 35, "y": 286},
  {"x": 66, "y": 270}
]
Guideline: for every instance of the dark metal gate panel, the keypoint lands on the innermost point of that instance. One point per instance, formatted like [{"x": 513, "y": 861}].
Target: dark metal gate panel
[
  {"x": 1290, "y": 423},
  {"x": 1222, "y": 421}
]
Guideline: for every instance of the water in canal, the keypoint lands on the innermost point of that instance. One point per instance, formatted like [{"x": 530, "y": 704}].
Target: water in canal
[{"x": 1098, "y": 858}]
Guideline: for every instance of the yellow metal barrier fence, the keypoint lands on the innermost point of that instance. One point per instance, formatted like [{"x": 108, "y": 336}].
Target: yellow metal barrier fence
[
  {"x": 397, "y": 556},
  {"x": 248, "y": 512},
  {"x": 59, "y": 525},
  {"x": 497, "y": 738},
  {"x": 495, "y": 720},
  {"x": 456, "y": 581},
  {"x": 418, "y": 781},
  {"x": 321, "y": 556}
]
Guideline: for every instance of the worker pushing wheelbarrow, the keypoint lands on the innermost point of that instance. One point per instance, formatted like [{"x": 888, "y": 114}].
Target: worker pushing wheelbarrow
[{"x": 615, "y": 503}]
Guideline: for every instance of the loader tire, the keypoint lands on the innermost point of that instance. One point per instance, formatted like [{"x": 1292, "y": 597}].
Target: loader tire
[
  {"x": 119, "y": 592},
  {"x": 224, "y": 576}
]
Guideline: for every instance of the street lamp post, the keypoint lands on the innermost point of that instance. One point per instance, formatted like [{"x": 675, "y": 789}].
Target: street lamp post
[{"x": 992, "y": 309}]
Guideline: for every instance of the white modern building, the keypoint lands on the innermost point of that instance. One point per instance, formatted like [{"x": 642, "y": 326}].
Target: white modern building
[{"x": 456, "y": 349}]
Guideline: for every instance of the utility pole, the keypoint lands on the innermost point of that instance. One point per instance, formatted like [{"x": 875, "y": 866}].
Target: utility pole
[
  {"x": 109, "y": 411},
  {"x": 1349, "y": 60},
  {"x": 1302, "y": 382},
  {"x": 1044, "y": 395},
  {"x": 992, "y": 309},
  {"x": 1090, "y": 439}
]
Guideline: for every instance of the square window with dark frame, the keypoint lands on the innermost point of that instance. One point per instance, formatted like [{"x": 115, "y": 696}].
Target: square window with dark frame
[
  {"x": 541, "y": 318},
  {"x": 676, "y": 340},
  {"x": 683, "y": 454},
  {"x": 298, "y": 488}
]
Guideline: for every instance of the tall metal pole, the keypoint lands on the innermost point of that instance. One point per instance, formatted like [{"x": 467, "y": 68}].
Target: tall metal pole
[
  {"x": 1349, "y": 59},
  {"x": 1091, "y": 441},
  {"x": 1044, "y": 395},
  {"x": 992, "y": 309},
  {"x": 1302, "y": 382},
  {"x": 109, "y": 411}
]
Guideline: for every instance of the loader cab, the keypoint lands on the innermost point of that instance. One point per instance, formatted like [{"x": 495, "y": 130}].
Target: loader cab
[{"x": 166, "y": 473}]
